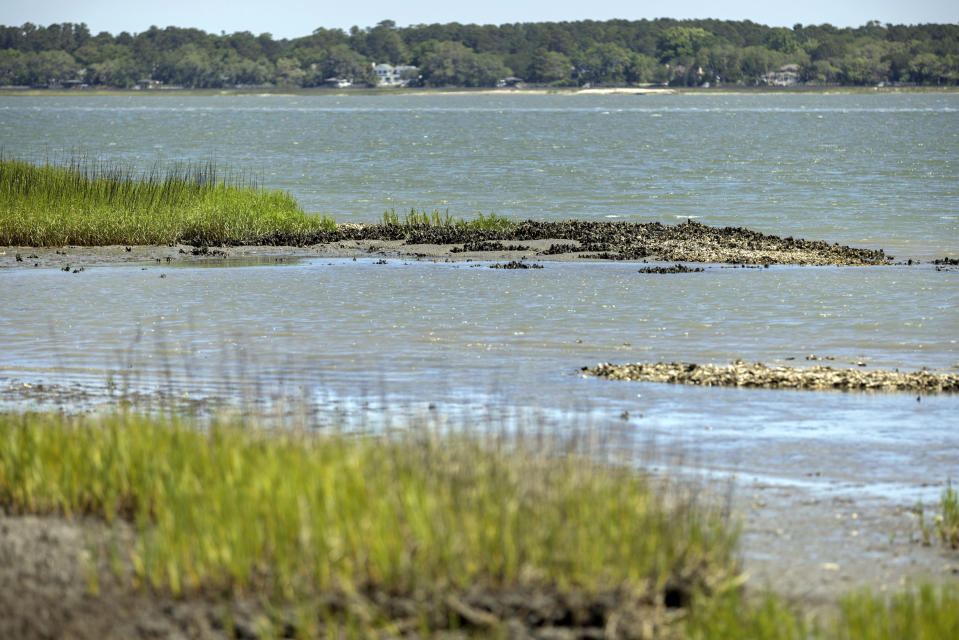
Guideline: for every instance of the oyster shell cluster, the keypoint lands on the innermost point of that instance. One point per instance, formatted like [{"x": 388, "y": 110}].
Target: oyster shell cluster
[{"x": 741, "y": 374}]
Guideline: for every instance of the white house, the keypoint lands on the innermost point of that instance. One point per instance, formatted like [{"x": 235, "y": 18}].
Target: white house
[
  {"x": 392, "y": 76},
  {"x": 785, "y": 76}
]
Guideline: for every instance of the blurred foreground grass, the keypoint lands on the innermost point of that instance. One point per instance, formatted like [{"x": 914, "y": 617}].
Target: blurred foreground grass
[{"x": 455, "y": 527}]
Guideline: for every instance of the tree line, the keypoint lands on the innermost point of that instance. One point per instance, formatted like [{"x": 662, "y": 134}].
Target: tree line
[{"x": 613, "y": 52}]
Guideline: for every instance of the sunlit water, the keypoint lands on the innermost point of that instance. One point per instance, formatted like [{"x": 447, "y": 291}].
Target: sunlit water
[{"x": 359, "y": 342}]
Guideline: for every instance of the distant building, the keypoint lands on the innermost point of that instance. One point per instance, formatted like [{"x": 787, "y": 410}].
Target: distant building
[
  {"x": 338, "y": 83},
  {"x": 785, "y": 76},
  {"x": 511, "y": 82},
  {"x": 393, "y": 76}
]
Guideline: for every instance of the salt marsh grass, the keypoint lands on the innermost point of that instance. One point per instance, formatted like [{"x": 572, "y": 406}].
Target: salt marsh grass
[
  {"x": 419, "y": 218},
  {"x": 925, "y": 612},
  {"x": 414, "y": 218},
  {"x": 90, "y": 203},
  {"x": 230, "y": 509},
  {"x": 945, "y": 526}
]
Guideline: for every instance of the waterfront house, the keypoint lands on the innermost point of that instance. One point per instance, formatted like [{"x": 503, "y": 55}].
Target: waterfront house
[
  {"x": 510, "y": 82},
  {"x": 393, "y": 76},
  {"x": 784, "y": 76}
]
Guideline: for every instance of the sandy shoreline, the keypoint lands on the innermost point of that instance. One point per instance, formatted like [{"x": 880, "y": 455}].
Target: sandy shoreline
[{"x": 509, "y": 91}]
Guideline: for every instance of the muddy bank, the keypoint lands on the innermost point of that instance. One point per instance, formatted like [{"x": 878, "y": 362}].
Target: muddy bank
[
  {"x": 815, "y": 547},
  {"x": 572, "y": 240},
  {"x": 58, "y": 580},
  {"x": 740, "y": 374},
  {"x": 686, "y": 242}
]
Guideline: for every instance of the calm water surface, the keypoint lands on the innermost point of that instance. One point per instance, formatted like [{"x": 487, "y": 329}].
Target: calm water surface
[{"x": 462, "y": 342}]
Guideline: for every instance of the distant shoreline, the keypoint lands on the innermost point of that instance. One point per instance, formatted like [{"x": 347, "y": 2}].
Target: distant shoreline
[{"x": 532, "y": 91}]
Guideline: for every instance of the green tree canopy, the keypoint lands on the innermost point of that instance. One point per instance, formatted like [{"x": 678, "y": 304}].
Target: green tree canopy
[
  {"x": 603, "y": 62},
  {"x": 550, "y": 67},
  {"x": 452, "y": 63},
  {"x": 384, "y": 44},
  {"x": 51, "y": 67},
  {"x": 680, "y": 42}
]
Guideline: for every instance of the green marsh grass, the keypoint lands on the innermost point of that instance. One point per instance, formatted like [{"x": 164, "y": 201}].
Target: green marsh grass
[
  {"x": 414, "y": 218},
  {"x": 89, "y": 203},
  {"x": 923, "y": 612},
  {"x": 230, "y": 509},
  {"x": 945, "y": 526}
]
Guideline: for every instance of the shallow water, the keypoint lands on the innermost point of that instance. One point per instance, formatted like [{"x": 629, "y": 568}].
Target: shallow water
[
  {"x": 359, "y": 342},
  {"x": 370, "y": 343}
]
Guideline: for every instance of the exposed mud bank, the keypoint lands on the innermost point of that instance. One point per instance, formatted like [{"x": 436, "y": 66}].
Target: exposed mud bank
[
  {"x": 740, "y": 374},
  {"x": 572, "y": 240},
  {"x": 686, "y": 242},
  {"x": 57, "y": 581}
]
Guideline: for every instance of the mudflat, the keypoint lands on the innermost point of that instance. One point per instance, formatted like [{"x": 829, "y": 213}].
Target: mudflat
[{"x": 572, "y": 240}]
